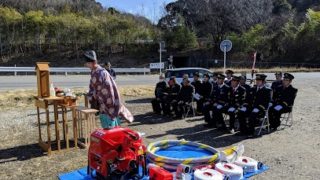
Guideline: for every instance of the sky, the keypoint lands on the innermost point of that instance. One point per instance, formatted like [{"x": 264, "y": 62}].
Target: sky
[{"x": 152, "y": 9}]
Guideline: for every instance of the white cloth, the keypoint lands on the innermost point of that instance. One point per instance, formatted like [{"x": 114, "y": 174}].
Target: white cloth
[
  {"x": 219, "y": 106},
  {"x": 197, "y": 96},
  {"x": 244, "y": 109},
  {"x": 255, "y": 110},
  {"x": 278, "y": 107},
  {"x": 231, "y": 109}
]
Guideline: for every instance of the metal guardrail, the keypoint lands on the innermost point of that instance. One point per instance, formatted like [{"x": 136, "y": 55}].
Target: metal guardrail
[{"x": 67, "y": 70}]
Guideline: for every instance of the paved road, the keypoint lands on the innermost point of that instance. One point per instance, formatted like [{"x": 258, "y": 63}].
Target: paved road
[{"x": 72, "y": 81}]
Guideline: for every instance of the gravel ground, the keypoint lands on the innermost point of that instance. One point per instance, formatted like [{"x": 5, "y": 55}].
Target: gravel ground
[{"x": 291, "y": 153}]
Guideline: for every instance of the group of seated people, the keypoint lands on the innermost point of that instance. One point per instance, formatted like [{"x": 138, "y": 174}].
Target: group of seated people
[{"x": 227, "y": 95}]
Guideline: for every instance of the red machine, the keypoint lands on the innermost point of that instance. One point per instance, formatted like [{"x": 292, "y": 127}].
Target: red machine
[{"x": 116, "y": 152}]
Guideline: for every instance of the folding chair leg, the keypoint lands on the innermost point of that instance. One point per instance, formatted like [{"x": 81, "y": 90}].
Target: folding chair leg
[{"x": 261, "y": 126}]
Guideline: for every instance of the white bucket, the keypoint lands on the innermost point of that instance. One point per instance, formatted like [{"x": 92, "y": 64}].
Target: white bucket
[
  {"x": 208, "y": 174},
  {"x": 248, "y": 164},
  {"x": 233, "y": 171}
]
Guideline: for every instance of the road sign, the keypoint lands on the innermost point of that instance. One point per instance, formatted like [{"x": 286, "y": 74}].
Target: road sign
[
  {"x": 226, "y": 45},
  {"x": 156, "y": 65}
]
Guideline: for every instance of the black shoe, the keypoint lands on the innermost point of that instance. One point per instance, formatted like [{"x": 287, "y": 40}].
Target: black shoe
[{"x": 250, "y": 136}]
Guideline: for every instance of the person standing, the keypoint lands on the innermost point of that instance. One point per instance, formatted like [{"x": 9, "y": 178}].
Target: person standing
[
  {"x": 283, "y": 99},
  {"x": 104, "y": 89},
  {"x": 111, "y": 71}
]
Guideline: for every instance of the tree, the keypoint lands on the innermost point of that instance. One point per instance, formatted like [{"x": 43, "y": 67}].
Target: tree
[{"x": 181, "y": 38}]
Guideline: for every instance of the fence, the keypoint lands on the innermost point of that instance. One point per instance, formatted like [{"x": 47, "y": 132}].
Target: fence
[{"x": 71, "y": 70}]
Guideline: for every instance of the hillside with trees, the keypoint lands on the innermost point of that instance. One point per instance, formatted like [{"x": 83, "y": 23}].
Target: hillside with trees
[
  {"x": 60, "y": 30},
  {"x": 277, "y": 30}
]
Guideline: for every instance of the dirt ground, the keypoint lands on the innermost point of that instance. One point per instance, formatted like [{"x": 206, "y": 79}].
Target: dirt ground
[{"x": 292, "y": 153}]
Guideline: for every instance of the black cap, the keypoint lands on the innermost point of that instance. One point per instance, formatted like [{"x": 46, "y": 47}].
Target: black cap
[
  {"x": 236, "y": 78},
  {"x": 278, "y": 73},
  {"x": 288, "y": 76},
  {"x": 90, "y": 56},
  {"x": 196, "y": 74},
  {"x": 206, "y": 75},
  {"x": 221, "y": 76},
  {"x": 229, "y": 71},
  {"x": 261, "y": 77}
]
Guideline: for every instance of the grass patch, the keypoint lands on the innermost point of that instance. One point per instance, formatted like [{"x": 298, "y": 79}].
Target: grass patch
[{"x": 25, "y": 98}]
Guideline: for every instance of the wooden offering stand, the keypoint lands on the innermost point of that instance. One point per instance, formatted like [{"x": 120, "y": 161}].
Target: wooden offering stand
[
  {"x": 43, "y": 101},
  {"x": 82, "y": 117}
]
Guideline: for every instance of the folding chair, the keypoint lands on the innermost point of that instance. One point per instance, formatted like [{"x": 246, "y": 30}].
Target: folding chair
[
  {"x": 190, "y": 107},
  {"x": 265, "y": 123},
  {"x": 287, "y": 118}
]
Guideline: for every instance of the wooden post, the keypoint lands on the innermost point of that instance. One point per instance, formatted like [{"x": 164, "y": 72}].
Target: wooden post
[
  {"x": 39, "y": 125},
  {"x": 75, "y": 128},
  {"x": 56, "y": 123},
  {"x": 48, "y": 131}
]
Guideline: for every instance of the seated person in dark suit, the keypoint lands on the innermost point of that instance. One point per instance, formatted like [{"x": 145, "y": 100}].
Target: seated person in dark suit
[
  {"x": 243, "y": 83},
  {"x": 184, "y": 98},
  {"x": 229, "y": 74},
  {"x": 207, "y": 88},
  {"x": 236, "y": 100},
  {"x": 283, "y": 99},
  {"x": 221, "y": 94},
  {"x": 277, "y": 82},
  {"x": 255, "y": 107},
  {"x": 171, "y": 96},
  {"x": 197, "y": 84},
  {"x": 158, "y": 103}
]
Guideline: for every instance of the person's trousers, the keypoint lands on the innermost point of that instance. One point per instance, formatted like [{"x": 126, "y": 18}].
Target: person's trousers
[
  {"x": 274, "y": 116},
  {"x": 232, "y": 118},
  {"x": 156, "y": 106},
  {"x": 200, "y": 106},
  {"x": 218, "y": 116},
  {"x": 207, "y": 108},
  {"x": 249, "y": 128},
  {"x": 107, "y": 122}
]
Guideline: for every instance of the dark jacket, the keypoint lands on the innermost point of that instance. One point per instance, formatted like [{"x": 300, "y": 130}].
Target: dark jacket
[
  {"x": 275, "y": 85},
  {"x": 259, "y": 98},
  {"x": 161, "y": 88},
  {"x": 237, "y": 97},
  {"x": 221, "y": 95},
  {"x": 197, "y": 86},
  {"x": 112, "y": 73},
  {"x": 186, "y": 93},
  {"x": 285, "y": 96},
  {"x": 173, "y": 92},
  {"x": 206, "y": 90}
]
